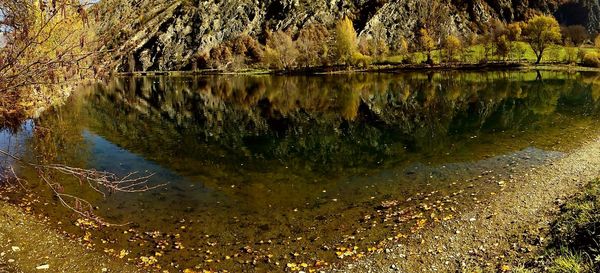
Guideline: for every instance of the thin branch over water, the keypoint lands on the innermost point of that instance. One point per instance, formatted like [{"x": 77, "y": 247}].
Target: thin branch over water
[{"x": 102, "y": 182}]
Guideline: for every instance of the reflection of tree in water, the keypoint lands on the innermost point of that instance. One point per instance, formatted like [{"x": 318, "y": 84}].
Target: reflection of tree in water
[{"x": 326, "y": 121}]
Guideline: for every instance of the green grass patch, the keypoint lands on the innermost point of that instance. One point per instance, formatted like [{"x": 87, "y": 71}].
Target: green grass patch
[
  {"x": 575, "y": 246},
  {"x": 477, "y": 54}
]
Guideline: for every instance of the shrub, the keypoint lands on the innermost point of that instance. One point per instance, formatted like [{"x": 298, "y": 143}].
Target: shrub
[
  {"x": 591, "y": 59},
  {"x": 580, "y": 54},
  {"x": 519, "y": 49},
  {"x": 503, "y": 47},
  {"x": 402, "y": 47},
  {"x": 234, "y": 54},
  {"x": 360, "y": 60},
  {"x": 571, "y": 55},
  {"x": 514, "y": 31},
  {"x": 220, "y": 56},
  {"x": 248, "y": 48}
]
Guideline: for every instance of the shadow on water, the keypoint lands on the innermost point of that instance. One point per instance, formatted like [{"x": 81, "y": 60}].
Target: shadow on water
[{"x": 289, "y": 167}]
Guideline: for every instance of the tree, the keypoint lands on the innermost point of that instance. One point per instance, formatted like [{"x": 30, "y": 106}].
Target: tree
[
  {"x": 373, "y": 47},
  {"x": 248, "y": 48},
  {"x": 281, "y": 52},
  {"x": 542, "y": 32},
  {"x": 220, "y": 56},
  {"x": 514, "y": 31},
  {"x": 345, "y": 40},
  {"x": 402, "y": 47},
  {"x": 427, "y": 44},
  {"x": 491, "y": 38},
  {"x": 575, "y": 34},
  {"x": 42, "y": 46},
  {"x": 453, "y": 45},
  {"x": 313, "y": 45},
  {"x": 503, "y": 46}
]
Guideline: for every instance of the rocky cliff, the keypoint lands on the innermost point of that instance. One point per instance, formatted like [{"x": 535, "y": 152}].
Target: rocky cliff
[{"x": 167, "y": 35}]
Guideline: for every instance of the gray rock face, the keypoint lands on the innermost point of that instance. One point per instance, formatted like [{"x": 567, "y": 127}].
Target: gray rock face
[{"x": 167, "y": 35}]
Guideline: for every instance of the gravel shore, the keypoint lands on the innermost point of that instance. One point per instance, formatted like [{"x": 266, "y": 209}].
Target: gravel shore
[
  {"x": 494, "y": 234},
  {"x": 28, "y": 245}
]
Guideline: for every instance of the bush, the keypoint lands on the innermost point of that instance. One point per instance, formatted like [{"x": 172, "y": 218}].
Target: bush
[
  {"x": 234, "y": 54},
  {"x": 571, "y": 55},
  {"x": 591, "y": 59},
  {"x": 360, "y": 60},
  {"x": 580, "y": 54}
]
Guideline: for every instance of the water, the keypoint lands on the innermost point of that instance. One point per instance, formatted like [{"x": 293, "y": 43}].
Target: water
[{"x": 263, "y": 171}]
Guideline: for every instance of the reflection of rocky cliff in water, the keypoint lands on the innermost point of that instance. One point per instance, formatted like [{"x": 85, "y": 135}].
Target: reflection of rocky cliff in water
[{"x": 343, "y": 121}]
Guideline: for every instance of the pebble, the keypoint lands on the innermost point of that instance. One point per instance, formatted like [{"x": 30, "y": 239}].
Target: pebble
[
  {"x": 16, "y": 248},
  {"x": 43, "y": 267}
]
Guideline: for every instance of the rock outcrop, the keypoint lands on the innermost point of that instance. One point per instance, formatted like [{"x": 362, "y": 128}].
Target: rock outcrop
[{"x": 164, "y": 35}]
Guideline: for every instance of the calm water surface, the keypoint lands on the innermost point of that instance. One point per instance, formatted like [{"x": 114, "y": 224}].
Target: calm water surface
[{"x": 263, "y": 171}]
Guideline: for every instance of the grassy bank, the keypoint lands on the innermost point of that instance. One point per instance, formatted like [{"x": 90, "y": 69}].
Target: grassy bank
[{"x": 574, "y": 245}]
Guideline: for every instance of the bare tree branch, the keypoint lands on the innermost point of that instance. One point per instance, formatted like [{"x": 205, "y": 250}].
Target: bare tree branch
[{"x": 102, "y": 182}]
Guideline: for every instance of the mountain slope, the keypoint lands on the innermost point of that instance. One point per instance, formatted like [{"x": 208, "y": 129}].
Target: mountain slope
[{"x": 167, "y": 35}]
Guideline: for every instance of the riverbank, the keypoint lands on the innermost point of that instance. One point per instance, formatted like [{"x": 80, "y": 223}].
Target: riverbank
[
  {"x": 384, "y": 68},
  {"x": 574, "y": 241},
  {"x": 28, "y": 245},
  {"x": 497, "y": 235}
]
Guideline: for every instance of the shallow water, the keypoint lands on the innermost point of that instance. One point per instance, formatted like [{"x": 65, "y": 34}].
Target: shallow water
[{"x": 263, "y": 171}]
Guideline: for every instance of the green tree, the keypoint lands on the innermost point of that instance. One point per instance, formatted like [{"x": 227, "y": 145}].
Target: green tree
[
  {"x": 345, "y": 40},
  {"x": 542, "y": 32}
]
